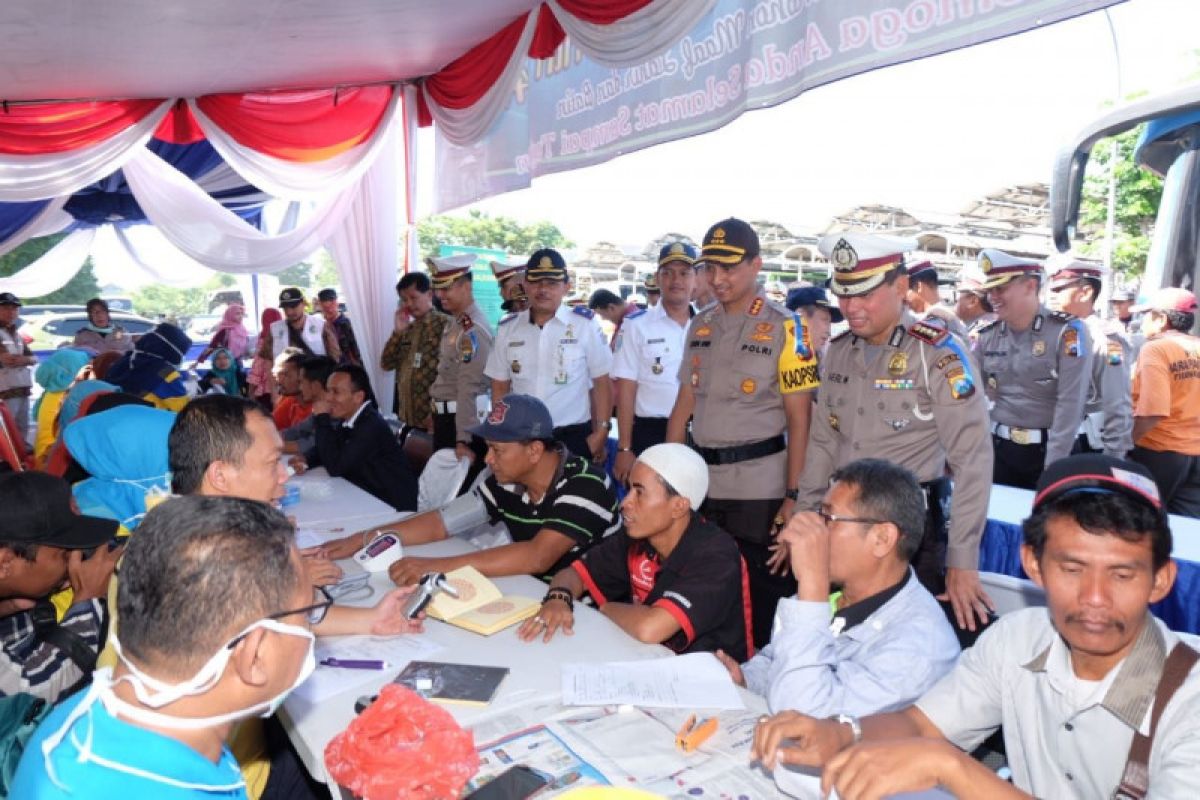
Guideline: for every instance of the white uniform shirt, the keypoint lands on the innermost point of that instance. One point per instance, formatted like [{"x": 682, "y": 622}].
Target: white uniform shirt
[
  {"x": 555, "y": 363},
  {"x": 649, "y": 350}
]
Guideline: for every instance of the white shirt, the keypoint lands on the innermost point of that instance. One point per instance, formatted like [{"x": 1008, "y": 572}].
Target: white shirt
[
  {"x": 1066, "y": 737},
  {"x": 648, "y": 351},
  {"x": 554, "y": 363}
]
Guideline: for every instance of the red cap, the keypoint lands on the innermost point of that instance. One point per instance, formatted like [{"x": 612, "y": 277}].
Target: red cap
[{"x": 1169, "y": 299}]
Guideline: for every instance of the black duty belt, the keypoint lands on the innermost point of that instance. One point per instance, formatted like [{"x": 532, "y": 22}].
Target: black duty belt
[{"x": 742, "y": 452}]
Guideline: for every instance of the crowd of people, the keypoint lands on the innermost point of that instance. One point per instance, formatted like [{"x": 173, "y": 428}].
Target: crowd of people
[{"x": 798, "y": 487}]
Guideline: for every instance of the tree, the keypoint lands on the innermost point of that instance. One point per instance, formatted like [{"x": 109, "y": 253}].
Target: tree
[
  {"x": 77, "y": 291},
  {"x": 299, "y": 275},
  {"x": 478, "y": 229},
  {"x": 168, "y": 301},
  {"x": 1137, "y": 197},
  {"x": 326, "y": 271}
]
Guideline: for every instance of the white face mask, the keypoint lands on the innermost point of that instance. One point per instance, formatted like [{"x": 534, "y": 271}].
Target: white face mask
[{"x": 154, "y": 693}]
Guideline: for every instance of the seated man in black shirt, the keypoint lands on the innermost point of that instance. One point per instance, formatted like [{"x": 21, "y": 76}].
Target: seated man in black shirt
[
  {"x": 354, "y": 442},
  {"x": 554, "y": 504},
  {"x": 669, "y": 577}
]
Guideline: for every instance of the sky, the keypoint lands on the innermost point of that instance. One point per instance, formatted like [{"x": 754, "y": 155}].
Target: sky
[{"x": 930, "y": 135}]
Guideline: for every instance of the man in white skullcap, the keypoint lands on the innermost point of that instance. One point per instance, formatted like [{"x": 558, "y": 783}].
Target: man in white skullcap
[{"x": 668, "y": 577}]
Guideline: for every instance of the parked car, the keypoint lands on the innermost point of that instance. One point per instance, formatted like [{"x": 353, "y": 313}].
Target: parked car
[{"x": 45, "y": 333}]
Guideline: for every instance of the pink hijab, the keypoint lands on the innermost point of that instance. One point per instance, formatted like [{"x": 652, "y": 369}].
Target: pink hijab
[{"x": 237, "y": 338}]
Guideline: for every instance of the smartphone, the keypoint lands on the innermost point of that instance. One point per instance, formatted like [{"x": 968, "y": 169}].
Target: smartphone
[{"x": 515, "y": 783}]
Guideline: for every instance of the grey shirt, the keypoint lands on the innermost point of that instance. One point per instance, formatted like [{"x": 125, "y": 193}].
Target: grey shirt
[
  {"x": 1067, "y": 737},
  {"x": 1109, "y": 401},
  {"x": 463, "y": 352}
]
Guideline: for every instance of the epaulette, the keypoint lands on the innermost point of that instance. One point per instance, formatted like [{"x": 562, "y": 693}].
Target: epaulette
[
  {"x": 986, "y": 327},
  {"x": 779, "y": 308},
  {"x": 841, "y": 335},
  {"x": 930, "y": 331},
  {"x": 635, "y": 314},
  {"x": 583, "y": 311},
  {"x": 711, "y": 305},
  {"x": 465, "y": 321},
  {"x": 508, "y": 318},
  {"x": 1062, "y": 316}
]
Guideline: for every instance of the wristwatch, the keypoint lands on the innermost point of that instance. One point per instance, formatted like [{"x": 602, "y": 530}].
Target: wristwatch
[
  {"x": 855, "y": 728},
  {"x": 792, "y": 494}
]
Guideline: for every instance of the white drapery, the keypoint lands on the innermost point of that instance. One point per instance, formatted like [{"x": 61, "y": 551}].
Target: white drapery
[
  {"x": 54, "y": 269},
  {"x": 292, "y": 180},
  {"x": 42, "y": 177},
  {"x": 628, "y": 41},
  {"x": 50, "y": 219},
  {"x": 365, "y": 248},
  {"x": 207, "y": 232}
]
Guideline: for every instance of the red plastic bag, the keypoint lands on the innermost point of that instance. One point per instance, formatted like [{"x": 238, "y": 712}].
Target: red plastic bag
[{"x": 403, "y": 746}]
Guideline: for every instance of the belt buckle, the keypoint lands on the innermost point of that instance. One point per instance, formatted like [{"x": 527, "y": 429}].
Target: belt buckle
[{"x": 1019, "y": 435}]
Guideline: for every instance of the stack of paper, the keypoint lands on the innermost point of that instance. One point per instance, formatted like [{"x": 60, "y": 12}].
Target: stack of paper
[{"x": 695, "y": 680}]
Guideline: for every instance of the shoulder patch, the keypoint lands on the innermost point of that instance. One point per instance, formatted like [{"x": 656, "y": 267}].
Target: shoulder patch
[
  {"x": 985, "y": 327},
  {"x": 583, "y": 311},
  {"x": 711, "y": 305},
  {"x": 635, "y": 314},
  {"x": 929, "y": 331},
  {"x": 508, "y": 318},
  {"x": 466, "y": 322},
  {"x": 1061, "y": 316}
]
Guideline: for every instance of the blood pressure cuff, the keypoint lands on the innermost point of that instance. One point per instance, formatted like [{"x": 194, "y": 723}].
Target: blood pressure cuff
[{"x": 462, "y": 515}]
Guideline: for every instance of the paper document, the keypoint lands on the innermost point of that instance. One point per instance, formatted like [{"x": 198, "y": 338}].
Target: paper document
[
  {"x": 695, "y": 680},
  {"x": 397, "y": 651}
]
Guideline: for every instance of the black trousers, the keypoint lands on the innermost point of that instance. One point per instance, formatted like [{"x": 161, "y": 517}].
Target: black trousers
[
  {"x": 1017, "y": 465},
  {"x": 1082, "y": 445},
  {"x": 749, "y": 522},
  {"x": 1177, "y": 476},
  {"x": 575, "y": 438},
  {"x": 929, "y": 562},
  {"x": 647, "y": 432}
]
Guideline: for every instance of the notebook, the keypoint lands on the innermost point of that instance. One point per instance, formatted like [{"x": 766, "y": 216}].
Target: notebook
[
  {"x": 466, "y": 684},
  {"x": 480, "y": 607}
]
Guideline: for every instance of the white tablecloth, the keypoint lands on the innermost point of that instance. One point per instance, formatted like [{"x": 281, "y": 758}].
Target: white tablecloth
[{"x": 327, "y": 503}]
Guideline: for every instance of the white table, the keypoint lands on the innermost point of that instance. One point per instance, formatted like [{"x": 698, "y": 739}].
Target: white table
[
  {"x": 534, "y": 665},
  {"x": 346, "y": 506}
]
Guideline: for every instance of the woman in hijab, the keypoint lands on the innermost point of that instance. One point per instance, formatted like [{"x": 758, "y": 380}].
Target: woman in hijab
[
  {"x": 55, "y": 375},
  {"x": 231, "y": 334},
  {"x": 262, "y": 374},
  {"x": 124, "y": 449},
  {"x": 151, "y": 370},
  {"x": 225, "y": 376}
]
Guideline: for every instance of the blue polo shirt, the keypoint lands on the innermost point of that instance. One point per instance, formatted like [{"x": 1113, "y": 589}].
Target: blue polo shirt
[{"x": 135, "y": 749}]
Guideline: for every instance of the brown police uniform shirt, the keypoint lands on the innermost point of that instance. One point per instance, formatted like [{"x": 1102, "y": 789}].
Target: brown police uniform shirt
[
  {"x": 1039, "y": 377},
  {"x": 739, "y": 368},
  {"x": 413, "y": 354},
  {"x": 915, "y": 401},
  {"x": 465, "y": 345}
]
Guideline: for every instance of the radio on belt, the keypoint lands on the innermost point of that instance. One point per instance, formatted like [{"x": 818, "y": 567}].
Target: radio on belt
[
  {"x": 431, "y": 583},
  {"x": 380, "y": 553}
]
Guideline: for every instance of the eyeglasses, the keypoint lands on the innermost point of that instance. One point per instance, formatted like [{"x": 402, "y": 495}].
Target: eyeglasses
[
  {"x": 832, "y": 518},
  {"x": 315, "y": 612}
]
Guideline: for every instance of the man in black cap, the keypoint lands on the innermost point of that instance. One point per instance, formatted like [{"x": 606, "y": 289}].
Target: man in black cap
[
  {"x": 819, "y": 314},
  {"x": 42, "y": 549},
  {"x": 331, "y": 310},
  {"x": 1094, "y": 695},
  {"x": 559, "y": 355},
  {"x": 555, "y": 504},
  {"x": 16, "y": 377},
  {"x": 745, "y": 381},
  {"x": 309, "y": 333},
  {"x": 926, "y": 301}
]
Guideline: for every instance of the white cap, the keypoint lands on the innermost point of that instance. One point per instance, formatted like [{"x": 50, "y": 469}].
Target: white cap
[{"x": 680, "y": 466}]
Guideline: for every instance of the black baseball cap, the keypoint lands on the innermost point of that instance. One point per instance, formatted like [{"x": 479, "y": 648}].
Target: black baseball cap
[
  {"x": 291, "y": 297},
  {"x": 9, "y": 299},
  {"x": 327, "y": 294},
  {"x": 731, "y": 241},
  {"x": 516, "y": 418},
  {"x": 812, "y": 296},
  {"x": 37, "y": 510},
  {"x": 1096, "y": 472}
]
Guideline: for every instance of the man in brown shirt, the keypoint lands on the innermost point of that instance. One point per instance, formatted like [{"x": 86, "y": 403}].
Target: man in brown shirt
[{"x": 412, "y": 349}]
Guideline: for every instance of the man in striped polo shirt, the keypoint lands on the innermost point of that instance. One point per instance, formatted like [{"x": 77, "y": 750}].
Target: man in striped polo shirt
[{"x": 555, "y": 504}]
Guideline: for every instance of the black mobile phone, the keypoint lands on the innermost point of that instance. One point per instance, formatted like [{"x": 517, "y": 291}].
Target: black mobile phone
[{"x": 515, "y": 783}]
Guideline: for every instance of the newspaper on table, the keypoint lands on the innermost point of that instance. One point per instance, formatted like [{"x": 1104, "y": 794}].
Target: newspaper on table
[{"x": 694, "y": 680}]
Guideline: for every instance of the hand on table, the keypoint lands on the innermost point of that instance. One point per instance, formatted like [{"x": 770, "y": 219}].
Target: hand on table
[
  {"x": 877, "y": 770},
  {"x": 967, "y": 597},
  {"x": 388, "y": 616},
  {"x": 298, "y": 464},
  {"x": 338, "y": 549},
  {"x": 734, "y": 668},
  {"x": 555, "y": 614},
  {"x": 813, "y": 742},
  {"x": 409, "y": 570},
  {"x": 321, "y": 571}
]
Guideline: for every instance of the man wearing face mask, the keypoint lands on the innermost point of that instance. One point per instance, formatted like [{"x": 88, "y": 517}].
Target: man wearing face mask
[{"x": 216, "y": 617}]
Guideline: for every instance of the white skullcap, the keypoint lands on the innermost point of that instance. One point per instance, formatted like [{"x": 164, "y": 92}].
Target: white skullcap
[{"x": 680, "y": 466}]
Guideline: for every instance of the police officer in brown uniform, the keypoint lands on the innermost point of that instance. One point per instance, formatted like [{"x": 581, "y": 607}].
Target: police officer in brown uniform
[
  {"x": 745, "y": 381},
  {"x": 462, "y": 354},
  {"x": 1037, "y": 367},
  {"x": 1108, "y": 415},
  {"x": 905, "y": 390}
]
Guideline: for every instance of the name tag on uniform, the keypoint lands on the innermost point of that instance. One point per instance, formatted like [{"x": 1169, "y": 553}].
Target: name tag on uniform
[{"x": 417, "y": 359}]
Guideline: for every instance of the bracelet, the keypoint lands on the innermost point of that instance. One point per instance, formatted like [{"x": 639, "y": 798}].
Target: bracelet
[
  {"x": 624, "y": 449},
  {"x": 855, "y": 728},
  {"x": 559, "y": 593}
]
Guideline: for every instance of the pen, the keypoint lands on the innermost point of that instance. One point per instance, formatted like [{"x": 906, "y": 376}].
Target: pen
[{"x": 351, "y": 663}]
